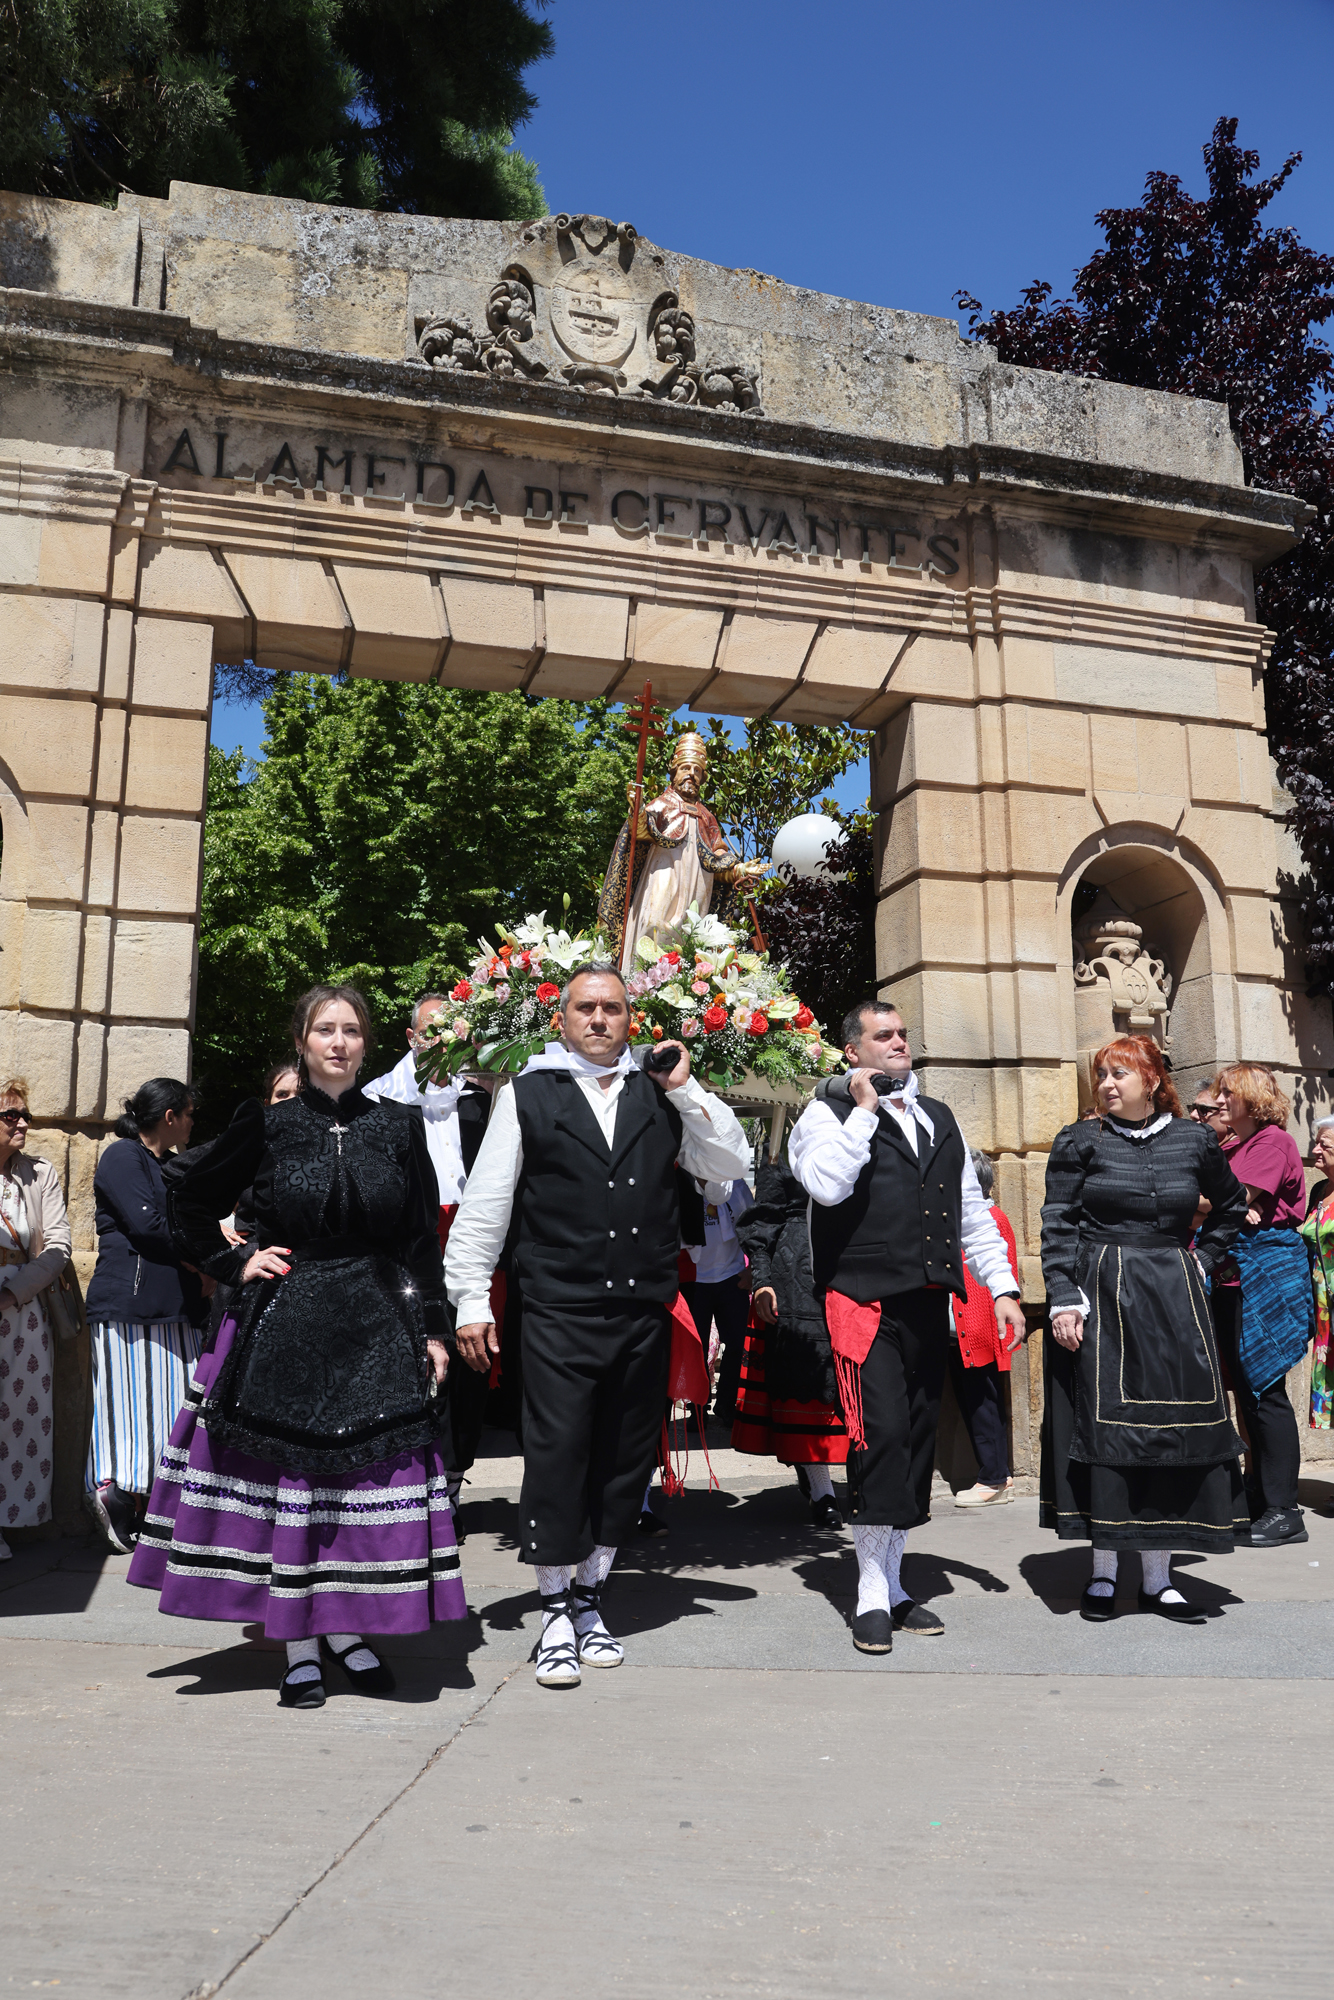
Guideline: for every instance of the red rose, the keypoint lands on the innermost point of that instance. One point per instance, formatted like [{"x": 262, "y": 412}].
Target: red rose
[
  {"x": 715, "y": 1018},
  {"x": 802, "y": 1018},
  {"x": 462, "y": 991},
  {"x": 759, "y": 1025},
  {"x": 546, "y": 992},
  {"x": 673, "y": 958}
]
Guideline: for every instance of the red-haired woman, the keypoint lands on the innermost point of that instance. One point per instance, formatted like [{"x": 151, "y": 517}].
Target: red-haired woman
[
  {"x": 1138, "y": 1450},
  {"x": 1263, "y": 1322}
]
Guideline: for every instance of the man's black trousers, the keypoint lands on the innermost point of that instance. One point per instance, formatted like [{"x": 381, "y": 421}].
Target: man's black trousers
[
  {"x": 727, "y": 1302},
  {"x": 901, "y": 1382},
  {"x": 1276, "y": 1447},
  {"x": 981, "y": 1397},
  {"x": 594, "y": 1386}
]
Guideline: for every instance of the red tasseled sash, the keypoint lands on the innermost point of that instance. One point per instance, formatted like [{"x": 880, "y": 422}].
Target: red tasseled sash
[{"x": 852, "y": 1328}]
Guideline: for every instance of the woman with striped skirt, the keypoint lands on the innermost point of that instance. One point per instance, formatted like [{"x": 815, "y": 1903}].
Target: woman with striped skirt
[
  {"x": 304, "y": 1487},
  {"x": 145, "y": 1310}
]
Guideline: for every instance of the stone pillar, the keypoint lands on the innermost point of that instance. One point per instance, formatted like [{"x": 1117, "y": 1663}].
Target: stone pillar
[{"x": 103, "y": 758}]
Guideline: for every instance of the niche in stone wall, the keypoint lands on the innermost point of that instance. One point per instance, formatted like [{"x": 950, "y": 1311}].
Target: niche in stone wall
[{"x": 1142, "y": 962}]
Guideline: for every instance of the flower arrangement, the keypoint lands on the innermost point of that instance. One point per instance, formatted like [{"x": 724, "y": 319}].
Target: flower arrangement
[{"x": 732, "y": 1007}]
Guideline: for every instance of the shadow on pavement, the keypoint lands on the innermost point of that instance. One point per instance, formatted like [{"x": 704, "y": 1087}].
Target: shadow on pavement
[
  {"x": 46, "y": 1578},
  {"x": 1059, "y": 1576},
  {"x": 258, "y": 1665}
]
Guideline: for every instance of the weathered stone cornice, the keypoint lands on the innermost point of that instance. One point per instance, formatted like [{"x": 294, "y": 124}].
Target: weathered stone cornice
[{"x": 548, "y": 419}]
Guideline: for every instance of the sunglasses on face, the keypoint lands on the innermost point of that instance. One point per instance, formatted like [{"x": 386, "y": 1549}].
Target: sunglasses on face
[
  {"x": 1203, "y": 1111},
  {"x": 15, "y": 1117}
]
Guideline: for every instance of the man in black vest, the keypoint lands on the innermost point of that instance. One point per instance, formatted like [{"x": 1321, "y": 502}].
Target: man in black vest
[
  {"x": 581, "y": 1156},
  {"x": 895, "y": 1209}
]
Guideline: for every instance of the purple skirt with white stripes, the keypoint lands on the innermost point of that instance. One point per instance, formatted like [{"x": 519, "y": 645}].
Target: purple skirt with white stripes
[{"x": 230, "y": 1537}]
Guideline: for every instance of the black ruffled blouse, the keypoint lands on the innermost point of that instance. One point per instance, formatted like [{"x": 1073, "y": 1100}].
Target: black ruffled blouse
[{"x": 328, "y": 1370}]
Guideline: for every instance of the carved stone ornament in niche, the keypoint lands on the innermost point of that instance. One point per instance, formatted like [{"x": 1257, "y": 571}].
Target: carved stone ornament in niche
[
  {"x": 1111, "y": 952},
  {"x": 598, "y": 309}
]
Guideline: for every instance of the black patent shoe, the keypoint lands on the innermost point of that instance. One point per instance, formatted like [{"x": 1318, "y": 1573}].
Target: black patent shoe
[
  {"x": 873, "y": 1632},
  {"x": 824, "y": 1512},
  {"x": 1180, "y": 1614},
  {"x": 1098, "y": 1607},
  {"x": 651, "y": 1524},
  {"x": 378, "y": 1679},
  {"x": 300, "y": 1694}
]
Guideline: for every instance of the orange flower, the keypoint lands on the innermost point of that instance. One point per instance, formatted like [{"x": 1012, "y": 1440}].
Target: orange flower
[{"x": 758, "y": 1024}]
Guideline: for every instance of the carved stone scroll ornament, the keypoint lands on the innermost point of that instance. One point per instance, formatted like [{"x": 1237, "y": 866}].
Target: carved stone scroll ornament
[
  {"x": 596, "y": 305},
  {"x": 450, "y": 341},
  {"x": 1112, "y": 949}
]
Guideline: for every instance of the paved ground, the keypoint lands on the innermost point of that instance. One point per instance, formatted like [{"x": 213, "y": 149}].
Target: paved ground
[{"x": 748, "y": 1807}]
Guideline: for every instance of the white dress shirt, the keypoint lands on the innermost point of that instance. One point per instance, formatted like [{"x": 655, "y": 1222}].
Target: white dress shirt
[
  {"x": 713, "y": 1147},
  {"x": 827, "y": 1154},
  {"x": 440, "y": 1109},
  {"x": 720, "y": 1255}
]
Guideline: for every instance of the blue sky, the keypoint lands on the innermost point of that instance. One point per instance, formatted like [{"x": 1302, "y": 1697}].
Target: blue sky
[{"x": 896, "y": 155}]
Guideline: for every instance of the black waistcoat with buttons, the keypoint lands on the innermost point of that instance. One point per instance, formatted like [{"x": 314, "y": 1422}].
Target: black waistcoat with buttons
[
  {"x": 901, "y": 1227},
  {"x": 596, "y": 1225}
]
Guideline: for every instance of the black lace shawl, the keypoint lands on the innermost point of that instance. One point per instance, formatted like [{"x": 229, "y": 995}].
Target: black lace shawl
[
  {"x": 328, "y": 1371},
  {"x": 1102, "y": 1183}
]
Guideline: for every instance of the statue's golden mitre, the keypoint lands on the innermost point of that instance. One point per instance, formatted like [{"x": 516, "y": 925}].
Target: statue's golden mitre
[{"x": 690, "y": 749}]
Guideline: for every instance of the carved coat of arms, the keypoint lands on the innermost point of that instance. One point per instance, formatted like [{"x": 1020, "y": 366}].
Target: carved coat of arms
[{"x": 575, "y": 305}]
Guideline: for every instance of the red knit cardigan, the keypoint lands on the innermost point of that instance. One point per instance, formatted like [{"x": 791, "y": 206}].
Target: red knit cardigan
[{"x": 975, "y": 1318}]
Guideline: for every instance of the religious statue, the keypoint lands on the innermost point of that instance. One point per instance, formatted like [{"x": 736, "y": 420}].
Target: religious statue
[{"x": 679, "y": 854}]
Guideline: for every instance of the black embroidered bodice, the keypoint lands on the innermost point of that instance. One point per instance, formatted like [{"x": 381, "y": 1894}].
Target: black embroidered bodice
[{"x": 328, "y": 1370}]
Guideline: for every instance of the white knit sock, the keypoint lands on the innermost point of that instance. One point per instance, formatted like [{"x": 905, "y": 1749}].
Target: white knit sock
[
  {"x": 1104, "y": 1573},
  {"x": 871, "y": 1545},
  {"x": 893, "y": 1557},
  {"x": 595, "y": 1568},
  {"x": 553, "y": 1579},
  {"x": 648, "y": 1495},
  {"x": 821, "y": 1482},
  {"x": 361, "y": 1658},
  {"x": 1157, "y": 1564},
  {"x": 303, "y": 1654},
  {"x": 453, "y": 1487}
]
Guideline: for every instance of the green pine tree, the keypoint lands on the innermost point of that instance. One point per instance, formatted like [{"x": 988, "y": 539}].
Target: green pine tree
[{"x": 398, "y": 104}]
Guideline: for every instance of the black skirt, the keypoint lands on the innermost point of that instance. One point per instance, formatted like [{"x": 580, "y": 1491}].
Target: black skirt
[{"x": 1138, "y": 1449}]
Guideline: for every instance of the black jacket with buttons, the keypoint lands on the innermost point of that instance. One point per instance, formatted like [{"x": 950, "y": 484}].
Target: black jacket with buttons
[
  {"x": 596, "y": 1226},
  {"x": 902, "y": 1226},
  {"x": 139, "y": 1275}
]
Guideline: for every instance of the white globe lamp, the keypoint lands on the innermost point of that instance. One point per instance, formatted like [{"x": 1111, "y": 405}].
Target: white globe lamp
[{"x": 802, "y": 844}]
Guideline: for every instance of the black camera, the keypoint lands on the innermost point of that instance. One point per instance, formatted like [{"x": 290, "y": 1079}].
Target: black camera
[
  {"x": 888, "y": 1086},
  {"x": 662, "y": 1059}
]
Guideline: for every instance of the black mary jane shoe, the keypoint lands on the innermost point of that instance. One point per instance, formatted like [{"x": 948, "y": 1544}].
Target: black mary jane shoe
[
  {"x": 1180, "y": 1614},
  {"x": 824, "y": 1512},
  {"x": 873, "y": 1632},
  {"x": 1098, "y": 1607},
  {"x": 378, "y": 1679},
  {"x": 300, "y": 1694}
]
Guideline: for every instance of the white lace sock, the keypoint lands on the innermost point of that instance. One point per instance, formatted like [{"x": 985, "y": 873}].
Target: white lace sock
[
  {"x": 359, "y": 1660},
  {"x": 821, "y": 1482},
  {"x": 893, "y": 1557},
  {"x": 1157, "y": 1564},
  {"x": 1104, "y": 1573},
  {"x": 453, "y": 1487},
  {"x": 553, "y": 1579},
  {"x": 648, "y": 1495},
  {"x": 871, "y": 1545},
  {"x": 597, "y": 1567},
  {"x": 303, "y": 1654}
]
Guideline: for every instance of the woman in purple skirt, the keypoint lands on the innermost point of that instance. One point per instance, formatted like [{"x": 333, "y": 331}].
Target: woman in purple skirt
[{"x": 304, "y": 1485}]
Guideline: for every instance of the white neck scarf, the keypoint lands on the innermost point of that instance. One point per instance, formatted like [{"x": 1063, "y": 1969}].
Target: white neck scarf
[
  {"x": 904, "y": 1095},
  {"x": 556, "y": 1056}
]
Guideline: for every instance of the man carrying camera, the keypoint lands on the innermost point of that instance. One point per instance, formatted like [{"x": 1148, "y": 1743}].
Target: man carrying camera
[
  {"x": 895, "y": 1209},
  {"x": 581, "y": 1155}
]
